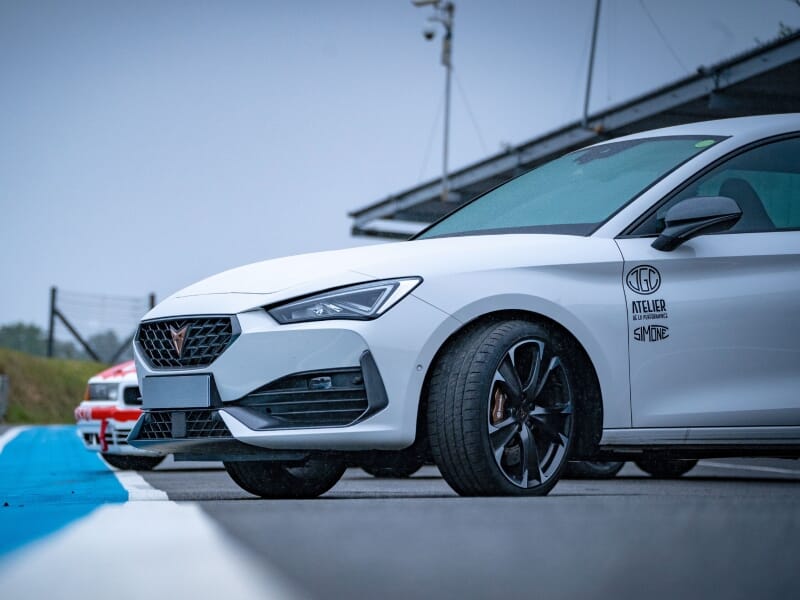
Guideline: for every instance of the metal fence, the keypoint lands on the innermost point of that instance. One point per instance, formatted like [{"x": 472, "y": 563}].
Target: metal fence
[{"x": 101, "y": 324}]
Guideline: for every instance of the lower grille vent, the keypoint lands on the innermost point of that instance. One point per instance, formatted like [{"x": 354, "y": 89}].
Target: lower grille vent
[
  {"x": 324, "y": 399},
  {"x": 165, "y": 425}
]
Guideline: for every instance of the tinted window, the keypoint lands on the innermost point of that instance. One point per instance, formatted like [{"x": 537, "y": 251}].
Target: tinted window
[
  {"x": 764, "y": 181},
  {"x": 575, "y": 193}
]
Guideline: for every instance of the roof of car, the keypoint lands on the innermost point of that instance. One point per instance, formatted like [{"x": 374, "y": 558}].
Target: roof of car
[
  {"x": 755, "y": 125},
  {"x": 119, "y": 371}
]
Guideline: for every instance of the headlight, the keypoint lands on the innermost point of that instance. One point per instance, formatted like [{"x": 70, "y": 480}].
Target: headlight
[
  {"x": 360, "y": 302},
  {"x": 102, "y": 391}
]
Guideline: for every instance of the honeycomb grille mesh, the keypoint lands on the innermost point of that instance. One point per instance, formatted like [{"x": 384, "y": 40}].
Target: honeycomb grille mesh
[
  {"x": 204, "y": 339},
  {"x": 166, "y": 425}
]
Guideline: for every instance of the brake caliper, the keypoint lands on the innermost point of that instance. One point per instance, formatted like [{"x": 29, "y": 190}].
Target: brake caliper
[{"x": 498, "y": 405}]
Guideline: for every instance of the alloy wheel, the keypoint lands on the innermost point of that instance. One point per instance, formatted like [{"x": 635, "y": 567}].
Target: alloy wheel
[{"x": 530, "y": 413}]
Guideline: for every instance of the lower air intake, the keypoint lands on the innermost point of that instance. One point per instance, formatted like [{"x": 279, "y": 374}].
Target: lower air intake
[
  {"x": 183, "y": 424},
  {"x": 320, "y": 399}
]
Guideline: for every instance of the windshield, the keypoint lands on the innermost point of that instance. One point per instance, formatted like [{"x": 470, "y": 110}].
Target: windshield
[{"x": 573, "y": 194}]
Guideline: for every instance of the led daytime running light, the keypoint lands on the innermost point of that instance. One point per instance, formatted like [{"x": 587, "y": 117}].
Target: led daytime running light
[{"x": 359, "y": 302}]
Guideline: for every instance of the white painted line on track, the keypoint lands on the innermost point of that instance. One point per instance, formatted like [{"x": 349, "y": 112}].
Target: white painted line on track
[
  {"x": 755, "y": 468},
  {"x": 141, "y": 550},
  {"x": 10, "y": 435},
  {"x": 138, "y": 489}
]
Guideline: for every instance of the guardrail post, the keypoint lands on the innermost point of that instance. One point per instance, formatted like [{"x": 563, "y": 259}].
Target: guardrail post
[
  {"x": 4, "y": 385},
  {"x": 52, "y": 329}
]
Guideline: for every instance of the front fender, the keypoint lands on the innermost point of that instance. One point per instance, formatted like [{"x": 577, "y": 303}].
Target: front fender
[{"x": 587, "y": 302}]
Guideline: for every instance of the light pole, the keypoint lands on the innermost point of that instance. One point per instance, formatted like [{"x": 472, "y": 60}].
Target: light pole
[
  {"x": 443, "y": 14},
  {"x": 585, "y": 121}
]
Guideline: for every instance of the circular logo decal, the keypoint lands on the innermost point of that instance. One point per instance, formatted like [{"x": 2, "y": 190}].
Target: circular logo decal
[{"x": 643, "y": 279}]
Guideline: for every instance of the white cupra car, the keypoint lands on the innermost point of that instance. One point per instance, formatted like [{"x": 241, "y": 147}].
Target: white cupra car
[{"x": 638, "y": 299}]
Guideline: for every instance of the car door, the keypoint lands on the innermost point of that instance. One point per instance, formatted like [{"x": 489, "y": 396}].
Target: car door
[{"x": 714, "y": 325}]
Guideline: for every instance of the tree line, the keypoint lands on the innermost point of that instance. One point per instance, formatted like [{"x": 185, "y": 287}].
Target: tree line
[{"x": 30, "y": 338}]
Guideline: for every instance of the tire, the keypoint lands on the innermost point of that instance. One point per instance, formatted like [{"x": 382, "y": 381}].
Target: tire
[
  {"x": 133, "y": 463},
  {"x": 592, "y": 469},
  {"x": 274, "y": 480},
  {"x": 393, "y": 465},
  {"x": 500, "y": 410},
  {"x": 665, "y": 468}
]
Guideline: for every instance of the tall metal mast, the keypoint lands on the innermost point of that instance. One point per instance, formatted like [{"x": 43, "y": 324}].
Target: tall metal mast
[{"x": 444, "y": 13}]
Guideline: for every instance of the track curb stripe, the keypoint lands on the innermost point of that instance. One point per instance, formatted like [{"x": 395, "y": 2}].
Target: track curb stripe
[
  {"x": 9, "y": 435},
  {"x": 138, "y": 489},
  {"x": 176, "y": 550}
]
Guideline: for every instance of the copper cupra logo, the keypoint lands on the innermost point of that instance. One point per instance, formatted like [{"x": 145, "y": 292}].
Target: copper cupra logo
[{"x": 178, "y": 338}]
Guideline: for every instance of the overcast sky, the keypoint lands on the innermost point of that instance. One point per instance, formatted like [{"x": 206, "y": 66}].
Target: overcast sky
[{"x": 145, "y": 145}]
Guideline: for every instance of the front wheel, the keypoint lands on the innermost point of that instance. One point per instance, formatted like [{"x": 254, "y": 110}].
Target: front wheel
[
  {"x": 133, "y": 463},
  {"x": 665, "y": 468},
  {"x": 500, "y": 410},
  {"x": 593, "y": 469},
  {"x": 274, "y": 480}
]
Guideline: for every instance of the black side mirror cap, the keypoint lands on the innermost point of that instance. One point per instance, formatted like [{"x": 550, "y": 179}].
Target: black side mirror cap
[{"x": 695, "y": 216}]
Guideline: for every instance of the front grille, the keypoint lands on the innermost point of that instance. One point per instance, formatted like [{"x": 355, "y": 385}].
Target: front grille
[
  {"x": 132, "y": 396},
  {"x": 166, "y": 425},
  {"x": 205, "y": 338},
  {"x": 116, "y": 438},
  {"x": 319, "y": 399}
]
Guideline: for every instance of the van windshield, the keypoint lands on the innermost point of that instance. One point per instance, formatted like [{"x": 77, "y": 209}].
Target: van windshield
[{"x": 573, "y": 194}]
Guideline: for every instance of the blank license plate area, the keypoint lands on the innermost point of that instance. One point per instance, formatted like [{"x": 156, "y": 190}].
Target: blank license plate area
[{"x": 176, "y": 391}]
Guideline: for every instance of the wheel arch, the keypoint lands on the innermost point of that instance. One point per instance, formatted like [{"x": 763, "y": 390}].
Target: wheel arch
[{"x": 589, "y": 404}]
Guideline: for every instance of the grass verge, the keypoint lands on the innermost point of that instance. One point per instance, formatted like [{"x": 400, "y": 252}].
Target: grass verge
[{"x": 44, "y": 390}]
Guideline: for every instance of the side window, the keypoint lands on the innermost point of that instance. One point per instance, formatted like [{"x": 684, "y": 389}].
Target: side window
[{"x": 764, "y": 181}]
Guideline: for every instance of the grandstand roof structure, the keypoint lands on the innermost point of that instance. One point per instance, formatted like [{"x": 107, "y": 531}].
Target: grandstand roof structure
[{"x": 760, "y": 81}]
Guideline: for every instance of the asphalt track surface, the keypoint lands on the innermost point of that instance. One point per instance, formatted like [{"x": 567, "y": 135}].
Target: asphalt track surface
[{"x": 729, "y": 529}]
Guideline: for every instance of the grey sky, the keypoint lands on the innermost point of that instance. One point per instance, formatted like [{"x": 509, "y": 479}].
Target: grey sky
[{"x": 146, "y": 145}]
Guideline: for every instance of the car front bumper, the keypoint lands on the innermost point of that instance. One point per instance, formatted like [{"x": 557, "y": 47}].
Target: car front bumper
[{"x": 391, "y": 353}]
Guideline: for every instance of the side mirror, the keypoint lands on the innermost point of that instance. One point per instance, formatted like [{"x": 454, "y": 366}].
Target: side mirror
[{"x": 695, "y": 216}]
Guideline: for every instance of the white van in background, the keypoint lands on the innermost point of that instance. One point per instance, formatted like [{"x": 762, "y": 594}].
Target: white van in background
[{"x": 110, "y": 408}]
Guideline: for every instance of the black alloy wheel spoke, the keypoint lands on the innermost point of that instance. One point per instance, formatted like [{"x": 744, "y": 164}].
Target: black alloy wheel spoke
[
  {"x": 494, "y": 427},
  {"x": 529, "y": 458},
  {"x": 510, "y": 377},
  {"x": 546, "y": 411},
  {"x": 536, "y": 367},
  {"x": 555, "y": 363},
  {"x": 551, "y": 432},
  {"x": 501, "y": 438}
]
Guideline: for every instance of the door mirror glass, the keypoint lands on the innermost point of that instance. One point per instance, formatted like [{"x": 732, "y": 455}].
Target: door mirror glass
[{"x": 695, "y": 216}]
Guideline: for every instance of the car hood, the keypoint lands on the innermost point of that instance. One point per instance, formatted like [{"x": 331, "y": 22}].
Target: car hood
[{"x": 276, "y": 280}]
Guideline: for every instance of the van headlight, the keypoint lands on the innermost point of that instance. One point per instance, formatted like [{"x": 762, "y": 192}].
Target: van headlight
[{"x": 357, "y": 302}]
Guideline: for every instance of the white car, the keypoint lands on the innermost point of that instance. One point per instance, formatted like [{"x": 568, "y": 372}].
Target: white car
[
  {"x": 636, "y": 299},
  {"x": 110, "y": 408}
]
